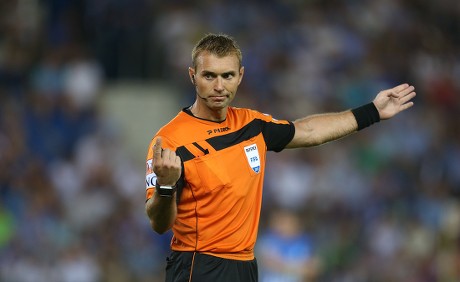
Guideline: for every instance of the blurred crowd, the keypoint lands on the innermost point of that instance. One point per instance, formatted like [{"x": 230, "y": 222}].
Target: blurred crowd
[{"x": 381, "y": 205}]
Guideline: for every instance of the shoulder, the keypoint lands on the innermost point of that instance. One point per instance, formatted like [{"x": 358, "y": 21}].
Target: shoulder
[
  {"x": 246, "y": 113},
  {"x": 183, "y": 129},
  {"x": 255, "y": 114},
  {"x": 172, "y": 130}
]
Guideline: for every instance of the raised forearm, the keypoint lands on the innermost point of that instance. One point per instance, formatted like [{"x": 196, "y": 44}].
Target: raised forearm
[{"x": 162, "y": 212}]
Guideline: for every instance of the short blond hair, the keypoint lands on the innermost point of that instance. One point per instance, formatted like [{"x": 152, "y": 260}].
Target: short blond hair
[{"x": 218, "y": 44}]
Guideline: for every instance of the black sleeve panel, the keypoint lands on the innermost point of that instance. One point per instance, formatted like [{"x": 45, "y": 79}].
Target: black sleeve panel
[{"x": 277, "y": 135}]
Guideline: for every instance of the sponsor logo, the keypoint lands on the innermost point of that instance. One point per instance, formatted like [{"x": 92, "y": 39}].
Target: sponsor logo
[
  {"x": 148, "y": 166},
  {"x": 252, "y": 155},
  {"x": 250, "y": 149},
  {"x": 150, "y": 176},
  {"x": 150, "y": 180},
  {"x": 218, "y": 130}
]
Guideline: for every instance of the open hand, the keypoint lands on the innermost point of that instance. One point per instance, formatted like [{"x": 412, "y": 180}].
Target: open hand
[
  {"x": 166, "y": 164},
  {"x": 392, "y": 101}
]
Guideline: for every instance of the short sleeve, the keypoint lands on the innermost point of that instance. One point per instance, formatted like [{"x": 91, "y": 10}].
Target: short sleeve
[{"x": 278, "y": 135}]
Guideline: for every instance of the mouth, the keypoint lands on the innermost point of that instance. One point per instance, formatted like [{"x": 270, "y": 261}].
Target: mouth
[{"x": 218, "y": 98}]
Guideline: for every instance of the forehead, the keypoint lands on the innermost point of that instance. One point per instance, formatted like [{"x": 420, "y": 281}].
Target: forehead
[{"x": 207, "y": 61}]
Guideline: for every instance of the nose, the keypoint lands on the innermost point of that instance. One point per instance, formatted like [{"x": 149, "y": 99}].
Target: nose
[{"x": 219, "y": 86}]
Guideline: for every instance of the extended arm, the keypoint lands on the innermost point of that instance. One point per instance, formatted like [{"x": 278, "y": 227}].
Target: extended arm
[
  {"x": 162, "y": 210},
  {"x": 318, "y": 129},
  {"x": 321, "y": 128}
]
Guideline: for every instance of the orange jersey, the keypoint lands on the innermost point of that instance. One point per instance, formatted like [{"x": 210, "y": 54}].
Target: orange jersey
[{"x": 219, "y": 202}]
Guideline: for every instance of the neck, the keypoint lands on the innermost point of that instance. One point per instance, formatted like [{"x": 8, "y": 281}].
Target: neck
[{"x": 204, "y": 112}]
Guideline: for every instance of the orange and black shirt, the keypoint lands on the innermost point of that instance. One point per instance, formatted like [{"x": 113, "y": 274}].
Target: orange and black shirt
[{"x": 220, "y": 190}]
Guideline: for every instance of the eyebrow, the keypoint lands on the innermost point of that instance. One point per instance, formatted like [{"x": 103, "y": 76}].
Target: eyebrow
[{"x": 215, "y": 74}]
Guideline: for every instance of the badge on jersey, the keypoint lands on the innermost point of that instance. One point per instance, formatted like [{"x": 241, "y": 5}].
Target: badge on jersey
[
  {"x": 150, "y": 176},
  {"x": 252, "y": 154}
]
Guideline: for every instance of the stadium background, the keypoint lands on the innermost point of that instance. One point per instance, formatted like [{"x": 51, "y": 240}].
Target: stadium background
[{"x": 85, "y": 84}]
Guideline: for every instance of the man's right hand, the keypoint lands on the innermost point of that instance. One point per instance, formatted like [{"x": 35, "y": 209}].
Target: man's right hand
[{"x": 166, "y": 164}]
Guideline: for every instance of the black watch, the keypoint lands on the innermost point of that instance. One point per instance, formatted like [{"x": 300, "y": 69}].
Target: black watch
[{"x": 165, "y": 190}]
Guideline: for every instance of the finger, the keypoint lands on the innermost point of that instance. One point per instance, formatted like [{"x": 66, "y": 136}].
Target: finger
[
  {"x": 169, "y": 156},
  {"x": 406, "y": 98},
  {"x": 406, "y": 106},
  {"x": 392, "y": 94},
  {"x": 157, "y": 148},
  {"x": 166, "y": 154},
  {"x": 407, "y": 91},
  {"x": 178, "y": 161},
  {"x": 400, "y": 87},
  {"x": 399, "y": 92}
]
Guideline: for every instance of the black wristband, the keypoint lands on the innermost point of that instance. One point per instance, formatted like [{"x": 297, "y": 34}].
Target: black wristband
[
  {"x": 366, "y": 115},
  {"x": 165, "y": 191}
]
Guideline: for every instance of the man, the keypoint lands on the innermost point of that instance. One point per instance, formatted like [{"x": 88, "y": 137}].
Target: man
[{"x": 205, "y": 168}]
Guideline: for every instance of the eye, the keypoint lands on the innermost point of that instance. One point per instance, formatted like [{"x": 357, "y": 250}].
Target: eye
[
  {"x": 227, "y": 76},
  {"x": 208, "y": 76}
]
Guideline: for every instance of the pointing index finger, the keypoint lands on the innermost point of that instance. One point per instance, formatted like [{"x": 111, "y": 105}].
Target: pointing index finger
[{"x": 157, "y": 148}]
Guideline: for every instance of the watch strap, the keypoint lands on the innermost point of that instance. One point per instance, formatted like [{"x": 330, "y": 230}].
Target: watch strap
[{"x": 165, "y": 190}]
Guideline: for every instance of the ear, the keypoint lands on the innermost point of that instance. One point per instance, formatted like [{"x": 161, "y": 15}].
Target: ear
[
  {"x": 191, "y": 73},
  {"x": 241, "y": 75}
]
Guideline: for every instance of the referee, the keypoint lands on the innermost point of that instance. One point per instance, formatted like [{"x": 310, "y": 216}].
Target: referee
[{"x": 205, "y": 168}]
